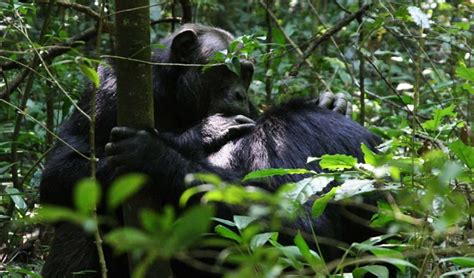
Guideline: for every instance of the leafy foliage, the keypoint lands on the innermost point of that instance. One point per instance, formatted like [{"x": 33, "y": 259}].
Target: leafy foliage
[{"x": 418, "y": 78}]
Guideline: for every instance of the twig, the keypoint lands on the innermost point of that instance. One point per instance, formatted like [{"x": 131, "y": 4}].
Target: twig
[
  {"x": 12, "y": 86},
  {"x": 24, "y": 99},
  {"x": 33, "y": 167},
  {"x": 268, "y": 62},
  {"x": 78, "y": 7},
  {"x": 56, "y": 50},
  {"x": 287, "y": 38},
  {"x": 166, "y": 20},
  {"x": 319, "y": 39},
  {"x": 45, "y": 128},
  {"x": 392, "y": 88},
  {"x": 160, "y": 64}
]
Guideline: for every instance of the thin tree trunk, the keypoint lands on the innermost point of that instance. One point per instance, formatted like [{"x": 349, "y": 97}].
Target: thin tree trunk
[{"x": 134, "y": 92}]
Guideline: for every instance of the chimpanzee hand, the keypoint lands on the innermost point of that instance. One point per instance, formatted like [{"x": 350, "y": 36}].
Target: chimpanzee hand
[
  {"x": 217, "y": 129},
  {"x": 336, "y": 102},
  {"x": 130, "y": 149}
]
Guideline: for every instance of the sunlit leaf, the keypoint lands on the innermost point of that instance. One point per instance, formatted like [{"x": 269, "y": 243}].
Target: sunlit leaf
[
  {"x": 123, "y": 188},
  {"x": 227, "y": 233},
  {"x": 87, "y": 195},
  {"x": 275, "y": 172},
  {"x": 337, "y": 162},
  {"x": 90, "y": 73},
  {"x": 260, "y": 240},
  {"x": 242, "y": 221},
  {"x": 308, "y": 187}
]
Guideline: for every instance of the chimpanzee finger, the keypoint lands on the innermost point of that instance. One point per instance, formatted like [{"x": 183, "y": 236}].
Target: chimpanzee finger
[
  {"x": 349, "y": 110},
  {"x": 121, "y": 132},
  {"x": 112, "y": 148},
  {"x": 115, "y": 161},
  {"x": 241, "y": 119},
  {"x": 340, "y": 104},
  {"x": 326, "y": 99}
]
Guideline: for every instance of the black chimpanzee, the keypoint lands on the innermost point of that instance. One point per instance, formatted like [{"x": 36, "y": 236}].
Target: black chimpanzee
[{"x": 189, "y": 139}]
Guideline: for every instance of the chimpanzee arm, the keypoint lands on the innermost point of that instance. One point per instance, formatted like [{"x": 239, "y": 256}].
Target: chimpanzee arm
[
  {"x": 65, "y": 167},
  {"x": 132, "y": 150},
  {"x": 208, "y": 136}
]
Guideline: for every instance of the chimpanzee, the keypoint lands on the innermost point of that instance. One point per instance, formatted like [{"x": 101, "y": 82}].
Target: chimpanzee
[
  {"x": 186, "y": 100},
  {"x": 280, "y": 139}
]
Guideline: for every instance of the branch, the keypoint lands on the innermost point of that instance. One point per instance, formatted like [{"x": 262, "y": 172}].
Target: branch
[
  {"x": 282, "y": 30},
  {"x": 12, "y": 86},
  {"x": 78, "y": 7},
  {"x": 166, "y": 20},
  {"x": 324, "y": 37},
  {"x": 187, "y": 11},
  {"x": 56, "y": 50}
]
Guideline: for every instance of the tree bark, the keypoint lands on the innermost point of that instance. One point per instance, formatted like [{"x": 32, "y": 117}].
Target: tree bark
[{"x": 134, "y": 93}]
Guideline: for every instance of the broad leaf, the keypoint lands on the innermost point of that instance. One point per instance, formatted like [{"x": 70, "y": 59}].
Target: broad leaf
[
  {"x": 123, "y": 188},
  {"x": 320, "y": 204},
  {"x": 87, "y": 195},
  {"x": 276, "y": 172},
  {"x": 337, "y": 162},
  {"x": 227, "y": 233},
  {"x": 463, "y": 152}
]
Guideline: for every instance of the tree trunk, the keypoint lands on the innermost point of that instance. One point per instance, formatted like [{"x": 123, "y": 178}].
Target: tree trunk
[{"x": 134, "y": 93}]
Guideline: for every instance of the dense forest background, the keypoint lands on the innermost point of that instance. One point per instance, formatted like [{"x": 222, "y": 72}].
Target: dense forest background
[{"x": 407, "y": 67}]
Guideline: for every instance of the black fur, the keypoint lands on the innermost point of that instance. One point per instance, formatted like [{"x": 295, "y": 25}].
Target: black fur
[{"x": 185, "y": 97}]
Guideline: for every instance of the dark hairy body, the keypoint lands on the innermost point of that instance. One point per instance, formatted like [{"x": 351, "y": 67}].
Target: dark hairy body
[{"x": 192, "y": 138}]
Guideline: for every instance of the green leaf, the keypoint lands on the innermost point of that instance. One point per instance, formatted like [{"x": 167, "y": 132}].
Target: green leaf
[
  {"x": 52, "y": 214},
  {"x": 354, "y": 187},
  {"x": 129, "y": 239},
  {"x": 320, "y": 204},
  {"x": 260, "y": 239},
  {"x": 463, "y": 152},
  {"x": 17, "y": 198},
  {"x": 278, "y": 36},
  {"x": 87, "y": 195},
  {"x": 308, "y": 187},
  {"x": 369, "y": 156},
  {"x": 438, "y": 116},
  {"x": 461, "y": 261},
  {"x": 188, "y": 228},
  {"x": 91, "y": 74},
  {"x": 376, "y": 270},
  {"x": 337, "y": 162},
  {"x": 374, "y": 159},
  {"x": 233, "y": 64},
  {"x": 312, "y": 258},
  {"x": 241, "y": 221},
  {"x": 227, "y": 233},
  {"x": 265, "y": 173},
  {"x": 123, "y": 188},
  {"x": 465, "y": 73}
]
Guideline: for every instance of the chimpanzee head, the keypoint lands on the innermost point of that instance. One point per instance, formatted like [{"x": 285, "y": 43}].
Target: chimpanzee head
[{"x": 189, "y": 93}]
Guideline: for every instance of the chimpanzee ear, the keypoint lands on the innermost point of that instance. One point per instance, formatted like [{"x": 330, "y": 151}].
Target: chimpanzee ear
[{"x": 184, "y": 41}]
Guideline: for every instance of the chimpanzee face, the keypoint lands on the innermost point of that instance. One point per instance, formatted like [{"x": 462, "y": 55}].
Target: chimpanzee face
[
  {"x": 228, "y": 91},
  {"x": 216, "y": 89}
]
